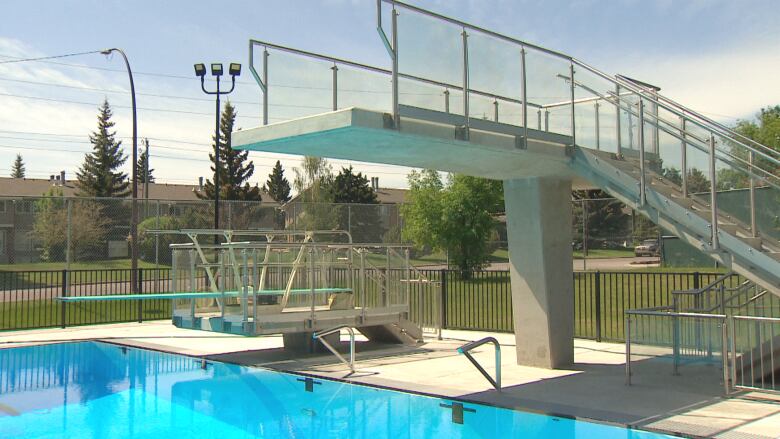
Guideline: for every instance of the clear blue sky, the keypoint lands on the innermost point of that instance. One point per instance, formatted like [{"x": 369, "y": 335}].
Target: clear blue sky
[{"x": 721, "y": 57}]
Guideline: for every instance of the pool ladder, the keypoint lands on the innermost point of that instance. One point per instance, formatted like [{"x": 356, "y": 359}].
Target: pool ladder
[
  {"x": 320, "y": 336},
  {"x": 465, "y": 350}
]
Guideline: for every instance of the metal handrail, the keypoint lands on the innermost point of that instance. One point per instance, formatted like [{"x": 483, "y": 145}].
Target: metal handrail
[
  {"x": 349, "y": 363},
  {"x": 709, "y": 121},
  {"x": 658, "y": 99},
  {"x": 465, "y": 350},
  {"x": 370, "y": 68},
  {"x": 707, "y": 287}
]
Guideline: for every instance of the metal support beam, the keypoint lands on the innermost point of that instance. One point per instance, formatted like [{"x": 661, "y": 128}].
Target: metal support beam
[
  {"x": 642, "y": 171},
  {"x": 525, "y": 98},
  {"x": 335, "y": 69},
  {"x": 617, "y": 121},
  {"x": 466, "y": 79},
  {"x": 753, "y": 225},
  {"x": 596, "y": 114},
  {"x": 683, "y": 158},
  {"x": 394, "y": 77},
  {"x": 713, "y": 195},
  {"x": 573, "y": 127}
]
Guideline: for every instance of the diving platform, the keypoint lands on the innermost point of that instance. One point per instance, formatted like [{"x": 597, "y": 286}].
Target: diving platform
[
  {"x": 424, "y": 138},
  {"x": 295, "y": 283},
  {"x": 461, "y": 98}
]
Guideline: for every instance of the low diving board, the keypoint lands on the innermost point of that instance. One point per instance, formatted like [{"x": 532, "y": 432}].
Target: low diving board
[{"x": 205, "y": 295}]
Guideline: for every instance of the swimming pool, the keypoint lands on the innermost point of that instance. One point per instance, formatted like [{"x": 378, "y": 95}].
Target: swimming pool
[{"x": 100, "y": 390}]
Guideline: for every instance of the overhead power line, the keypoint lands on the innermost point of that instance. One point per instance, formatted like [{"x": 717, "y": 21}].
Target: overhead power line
[{"x": 42, "y": 58}]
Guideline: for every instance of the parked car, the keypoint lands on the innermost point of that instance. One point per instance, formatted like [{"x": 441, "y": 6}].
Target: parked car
[{"x": 648, "y": 247}]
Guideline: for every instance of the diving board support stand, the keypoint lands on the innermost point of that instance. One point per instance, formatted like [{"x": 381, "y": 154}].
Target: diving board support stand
[{"x": 539, "y": 219}]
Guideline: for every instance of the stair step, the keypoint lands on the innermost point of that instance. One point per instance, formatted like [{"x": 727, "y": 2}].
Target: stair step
[{"x": 751, "y": 241}]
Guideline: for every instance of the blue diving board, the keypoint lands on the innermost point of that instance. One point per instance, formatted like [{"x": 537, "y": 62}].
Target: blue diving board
[{"x": 205, "y": 295}]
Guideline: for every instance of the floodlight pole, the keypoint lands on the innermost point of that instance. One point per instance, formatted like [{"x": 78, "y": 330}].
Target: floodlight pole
[
  {"x": 217, "y": 93},
  {"x": 134, "y": 176}
]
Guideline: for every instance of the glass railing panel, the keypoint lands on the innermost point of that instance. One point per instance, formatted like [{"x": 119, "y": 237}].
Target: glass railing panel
[
  {"x": 743, "y": 198},
  {"x": 667, "y": 137},
  {"x": 629, "y": 122},
  {"x": 427, "y": 48},
  {"x": 298, "y": 86},
  {"x": 549, "y": 87},
  {"x": 364, "y": 89},
  {"x": 595, "y": 112},
  {"x": 429, "y": 96},
  {"x": 495, "y": 68}
]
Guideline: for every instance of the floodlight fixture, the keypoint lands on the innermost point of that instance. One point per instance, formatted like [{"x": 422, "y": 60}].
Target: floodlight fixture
[
  {"x": 216, "y": 69},
  {"x": 235, "y": 69},
  {"x": 200, "y": 70}
]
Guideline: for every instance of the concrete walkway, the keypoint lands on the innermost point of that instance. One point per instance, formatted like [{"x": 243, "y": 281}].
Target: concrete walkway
[{"x": 690, "y": 404}]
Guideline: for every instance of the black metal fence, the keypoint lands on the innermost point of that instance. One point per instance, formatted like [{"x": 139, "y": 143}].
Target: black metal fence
[{"x": 28, "y": 299}]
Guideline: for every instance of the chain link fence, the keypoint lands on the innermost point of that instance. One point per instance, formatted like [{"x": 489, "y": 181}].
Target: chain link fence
[{"x": 60, "y": 232}]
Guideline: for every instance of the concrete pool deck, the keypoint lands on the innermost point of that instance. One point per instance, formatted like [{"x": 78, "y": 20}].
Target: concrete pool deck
[{"x": 690, "y": 404}]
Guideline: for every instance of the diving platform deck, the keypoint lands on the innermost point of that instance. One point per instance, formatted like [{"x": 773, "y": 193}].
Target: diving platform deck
[{"x": 424, "y": 139}]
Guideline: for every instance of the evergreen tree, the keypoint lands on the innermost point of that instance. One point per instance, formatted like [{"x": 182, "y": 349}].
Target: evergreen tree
[
  {"x": 143, "y": 161},
  {"x": 99, "y": 176},
  {"x": 363, "y": 221},
  {"x": 17, "y": 169},
  {"x": 277, "y": 185},
  {"x": 349, "y": 187},
  {"x": 234, "y": 170}
]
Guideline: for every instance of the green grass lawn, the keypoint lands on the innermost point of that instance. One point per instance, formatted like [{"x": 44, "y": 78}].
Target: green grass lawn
[{"x": 87, "y": 265}]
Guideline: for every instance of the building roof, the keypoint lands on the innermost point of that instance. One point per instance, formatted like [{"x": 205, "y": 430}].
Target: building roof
[
  {"x": 383, "y": 196},
  {"x": 36, "y": 187},
  {"x": 391, "y": 196}
]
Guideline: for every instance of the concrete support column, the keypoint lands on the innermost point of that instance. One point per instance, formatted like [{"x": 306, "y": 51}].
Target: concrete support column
[{"x": 539, "y": 223}]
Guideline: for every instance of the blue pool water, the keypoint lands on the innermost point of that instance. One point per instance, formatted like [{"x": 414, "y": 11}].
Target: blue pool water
[{"x": 99, "y": 390}]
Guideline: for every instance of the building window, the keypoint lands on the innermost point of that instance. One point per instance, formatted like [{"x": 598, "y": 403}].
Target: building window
[{"x": 2, "y": 206}]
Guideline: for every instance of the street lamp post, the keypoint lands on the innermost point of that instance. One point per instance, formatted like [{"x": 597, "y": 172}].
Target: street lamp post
[
  {"x": 134, "y": 202},
  {"x": 216, "y": 71}
]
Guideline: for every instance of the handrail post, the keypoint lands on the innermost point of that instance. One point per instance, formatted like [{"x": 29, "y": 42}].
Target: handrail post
[
  {"x": 725, "y": 355},
  {"x": 394, "y": 78},
  {"x": 525, "y": 98},
  {"x": 443, "y": 305},
  {"x": 466, "y": 81},
  {"x": 597, "y": 304},
  {"x": 683, "y": 158},
  {"x": 596, "y": 114},
  {"x": 335, "y": 69},
  {"x": 547, "y": 120},
  {"x": 752, "y": 188},
  {"x": 641, "y": 134},
  {"x": 628, "y": 350},
  {"x": 447, "y": 101},
  {"x": 495, "y": 109},
  {"x": 573, "y": 128},
  {"x": 265, "y": 81},
  {"x": 139, "y": 289},
  {"x": 713, "y": 195},
  {"x": 617, "y": 121},
  {"x": 63, "y": 293}
]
